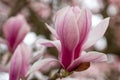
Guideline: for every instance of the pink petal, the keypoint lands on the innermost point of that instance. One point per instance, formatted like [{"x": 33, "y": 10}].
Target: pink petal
[
  {"x": 41, "y": 64},
  {"x": 52, "y": 31},
  {"x": 96, "y": 33},
  {"x": 25, "y": 28},
  {"x": 84, "y": 25},
  {"x": 15, "y": 30},
  {"x": 15, "y": 65},
  {"x": 88, "y": 57},
  {"x": 10, "y": 29},
  {"x": 67, "y": 31}
]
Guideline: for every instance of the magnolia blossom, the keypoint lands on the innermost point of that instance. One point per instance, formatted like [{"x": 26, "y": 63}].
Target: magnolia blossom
[
  {"x": 14, "y": 31},
  {"x": 73, "y": 36},
  {"x": 20, "y": 62}
]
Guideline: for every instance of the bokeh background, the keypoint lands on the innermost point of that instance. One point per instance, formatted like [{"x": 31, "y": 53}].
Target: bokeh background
[{"x": 39, "y": 12}]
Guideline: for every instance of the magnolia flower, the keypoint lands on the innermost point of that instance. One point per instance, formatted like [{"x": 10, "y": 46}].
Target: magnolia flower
[
  {"x": 20, "y": 62},
  {"x": 14, "y": 31},
  {"x": 74, "y": 35}
]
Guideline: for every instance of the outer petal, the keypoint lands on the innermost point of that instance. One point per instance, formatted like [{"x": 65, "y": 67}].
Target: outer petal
[
  {"x": 52, "y": 31},
  {"x": 88, "y": 57},
  {"x": 96, "y": 33},
  {"x": 67, "y": 31},
  {"x": 41, "y": 64},
  {"x": 15, "y": 65},
  {"x": 14, "y": 31}
]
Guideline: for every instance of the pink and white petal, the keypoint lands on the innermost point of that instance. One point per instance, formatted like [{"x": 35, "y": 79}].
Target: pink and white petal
[
  {"x": 49, "y": 43},
  {"x": 93, "y": 56},
  {"x": 96, "y": 33},
  {"x": 68, "y": 33},
  {"x": 53, "y": 31},
  {"x": 67, "y": 29},
  {"x": 84, "y": 26},
  {"x": 15, "y": 30},
  {"x": 26, "y": 57},
  {"x": 84, "y": 21},
  {"x": 11, "y": 28},
  {"x": 41, "y": 64},
  {"x": 88, "y": 57},
  {"x": 25, "y": 28},
  {"x": 15, "y": 65}
]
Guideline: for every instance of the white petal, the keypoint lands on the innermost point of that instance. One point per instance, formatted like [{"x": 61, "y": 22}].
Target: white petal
[
  {"x": 93, "y": 56},
  {"x": 52, "y": 30},
  {"x": 96, "y": 33},
  {"x": 41, "y": 64},
  {"x": 88, "y": 57}
]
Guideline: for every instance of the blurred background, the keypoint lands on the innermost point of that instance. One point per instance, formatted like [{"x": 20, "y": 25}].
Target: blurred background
[{"x": 39, "y": 12}]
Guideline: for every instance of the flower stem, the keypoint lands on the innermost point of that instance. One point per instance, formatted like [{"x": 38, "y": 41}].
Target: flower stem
[{"x": 56, "y": 75}]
